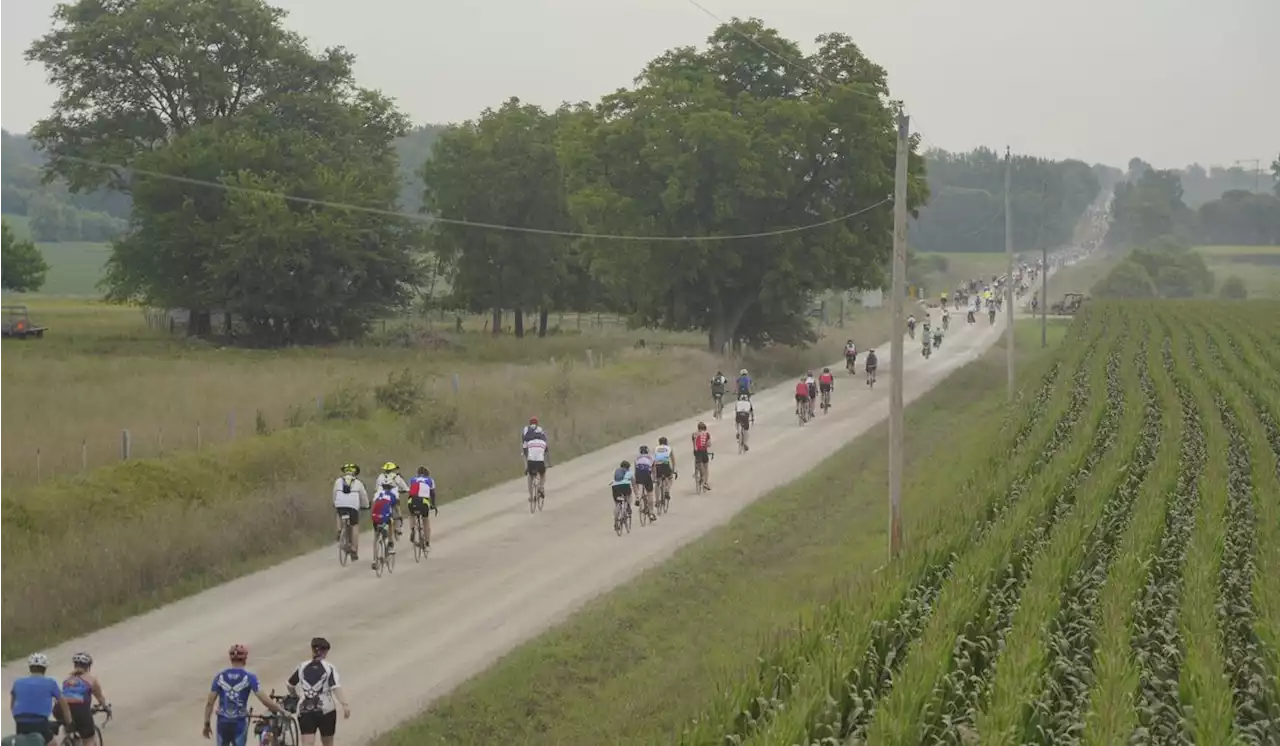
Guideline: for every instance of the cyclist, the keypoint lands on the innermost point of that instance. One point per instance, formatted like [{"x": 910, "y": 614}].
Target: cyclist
[
  {"x": 742, "y": 415},
  {"x": 937, "y": 336},
  {"x": 826, "y": 382},
  {"x": 230, "y": 690},
  {"x": 943, "y": 299},
  {"x": 718, "y": 384},
  {"x": 871, "y": 364},
  {"x": 32, "y": 699},
  {"x": 79, "y": 689},
  {"x": 744, "y": 382},
  {"x": 534, "y": 448},
  {"x": 644, "y": 480},
  {"x": 390, "y": 479},
  {"x": 621, "y": 485},
  {"x": 946, "y": 317},
  {"x": 911, "y": 325},
  {"x": 319, "y": 691},
  {"x": 349, "y": 498},
  {"x": 702, "y": 452},
  {"x": 422, "y": 500},
  {"x": 664, "y": 460},
  {"x": 802, "y": 394},
  {"x": 383, "y": 511},
  {"x": 812, "y": 383},
  {"x": 851, "y": 356}
]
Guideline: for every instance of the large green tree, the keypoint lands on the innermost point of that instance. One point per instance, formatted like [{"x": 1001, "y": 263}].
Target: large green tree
[
  {"x": 318, "y": 266},
  {"x": 1241, "y": 218},
  {"x": 502, "y": 169},
  {"x": 730, "y": 140},
  {"x": 1148, "y": 206},
  {"x": 22, "y": 268}
]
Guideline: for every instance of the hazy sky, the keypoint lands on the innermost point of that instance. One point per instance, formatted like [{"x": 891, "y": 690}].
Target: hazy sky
[{"x": 1173, "y": 81}]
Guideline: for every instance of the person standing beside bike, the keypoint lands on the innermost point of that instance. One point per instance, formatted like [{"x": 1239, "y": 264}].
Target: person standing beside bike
[
  {"x": 319, "y": 691},
  {"x": 32, "y": 699},
  {"x": 79, "y": 690},
  {"x": 349, "y": 498},
  {"x": 230, "y": 691},
  {"x": 422, "y": 500}
]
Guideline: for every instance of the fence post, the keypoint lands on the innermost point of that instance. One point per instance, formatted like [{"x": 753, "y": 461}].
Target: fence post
[
  {"x": 84, "y": 455},
  {"x": 126, "y": 445},
  {"x": 455, "y": 384},
  {"x": 38, "y": 470},
  {"x": 231, "y": 425},
  {"x": 160, "y": 442},
  {"x": 320, "y": 403},
  {"x": 199, "y": 438},
  {"x": 590, "y": 359}
]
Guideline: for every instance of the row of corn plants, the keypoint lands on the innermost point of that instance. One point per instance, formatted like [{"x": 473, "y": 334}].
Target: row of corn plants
[
  {"x": 1057, "y": 715},
  {"x": 890, "y": 608},
  {"x": 1156, "y": 539},
  {"x": 973, "y": 610},
  {"x": 1025, "y": 656}
]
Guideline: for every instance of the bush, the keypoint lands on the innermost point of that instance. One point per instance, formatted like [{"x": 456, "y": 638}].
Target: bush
[
  {"x": 347, "y": 403},
  {"x": 1233, "y": 287},
  {"x": 403, "y": 393}
]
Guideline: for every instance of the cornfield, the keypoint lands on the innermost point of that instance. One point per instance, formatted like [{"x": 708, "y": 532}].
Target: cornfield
[{"x": 1110, "y": 573}]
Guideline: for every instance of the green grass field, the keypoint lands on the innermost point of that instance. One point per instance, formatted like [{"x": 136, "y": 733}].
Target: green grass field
[
  {"x": 1258, "y": 266},
  {"x": 75, "y": 267}
]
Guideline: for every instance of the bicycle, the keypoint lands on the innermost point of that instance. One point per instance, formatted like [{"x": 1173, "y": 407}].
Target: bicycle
[
  {"x": 663, "y": 502},
  {"x": 802, "y": 411},
  {"x": 420, "y": 547},
  {"x": 381, "y": 557},
  {"x": 73, "y": 738},
  {"x": 537, "y": 495},
  {"x": 871, "y": 377},
  {"x": 646, "y": 513},
  {"x": 742, "y": 438},
  {"x": 621, "y": 515},
  {"x": 851, "y": 364},
  {"x": 826, "y": 401},
  {"x": 719, "y": 398},
  {"x": 700, "y": 473},
  {"x": 277, "y": 730},
  {"x": 345, "y": 551}
]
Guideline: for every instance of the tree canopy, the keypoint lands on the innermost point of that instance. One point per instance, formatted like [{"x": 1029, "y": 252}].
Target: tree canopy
[
  {"x": 24, "y": 269},
  {"x": 1148, "y": 206},
  {"x": 1164, "y": 268},
  {"x": 1241, "y": 218},
  {"x": 966, "y": 205}
]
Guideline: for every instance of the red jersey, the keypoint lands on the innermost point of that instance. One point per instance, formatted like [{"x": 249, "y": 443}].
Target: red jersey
[
  {"x": 826, "y": 379},
  {"x": 802, "y": 389},
  {"x": 701, "y": 440}
]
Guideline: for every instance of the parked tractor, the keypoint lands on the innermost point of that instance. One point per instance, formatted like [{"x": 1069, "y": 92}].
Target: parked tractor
[{"x": 17, "y": 324}]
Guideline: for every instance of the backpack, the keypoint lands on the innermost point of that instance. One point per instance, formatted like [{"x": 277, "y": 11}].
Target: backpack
[{"x": 347, "y": 480}]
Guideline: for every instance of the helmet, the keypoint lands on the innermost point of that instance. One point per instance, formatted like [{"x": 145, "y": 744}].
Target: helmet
[
  {"x": 644, "y": 449},
  {"x": 38, "y": 660},
  {"x": 826, "y": 370},
  {"x": 319, "y": 643},
  {"x": 82, "y": 659},
  {"x": 352, "y": 469},
  {"x": 390, "y": 466},
  {"x": 238, "y": 652},
  {"x": 702, "y": 426},
  {"x": 662, "y": 441},
  {"x": 809, "y": 374},
  {"x": 742, "y": 372},
  {"x": 719, "y": 373},
  {"x": 849, "y": 342},
  {"x": 533, "y": 420},
  {"x": 743, "y": 397},
  {"x": 625, "y": 464}
]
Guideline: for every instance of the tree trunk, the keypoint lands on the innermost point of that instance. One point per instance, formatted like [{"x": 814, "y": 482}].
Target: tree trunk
[
  {"x": 724, "y": 325},
  {"x": 200, "y": 323},
  {"x": 519, "y": 323},
  {"x": 496, "y": 328},
  {"x": 542, "y": 322}
]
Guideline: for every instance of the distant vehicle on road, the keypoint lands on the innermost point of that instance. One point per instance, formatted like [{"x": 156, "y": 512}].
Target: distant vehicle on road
[{"x": 17, "y": 323}]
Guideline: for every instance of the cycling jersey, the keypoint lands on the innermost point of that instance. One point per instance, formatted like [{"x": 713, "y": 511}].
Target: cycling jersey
[
  {"x": 621, "y": 477},
  {"x": 233, "y": 686},
  {"x": 33, "y": 697},
  {"x": 662, "y": 455},
  {"x": 850, "y": 351},
  {"x": 802, "y": 389},
  {"x": 349, "y": 492},
  {"x": 421, "y": 487},
  {"x": 76, "y": 690},
  {"x": 383, "y": 504},
  {"x": 535, "y": 450},
  {"x": 871, "y": 362},
  {"x": 718, "y": 383},
  {"x": 315, "y": 681},
  {"x": 531, "y": 432},
  {"x": 826, "y": 379},
  {"x": 742, "y": 407},
  {"x": 744, "y": 384},
  {"x": 387, "y": 481},
  {"x": 701, "y": 441},
  {"x": 644, "y": 463}
]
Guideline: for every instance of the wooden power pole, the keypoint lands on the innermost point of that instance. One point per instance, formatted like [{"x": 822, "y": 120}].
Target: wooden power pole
[{"x": 896, "y": 352}]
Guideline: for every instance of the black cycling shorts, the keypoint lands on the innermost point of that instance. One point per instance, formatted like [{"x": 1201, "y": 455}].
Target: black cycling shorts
[
  {"x": 82, "y": 719},
  {"x": 702, "y": 457},
  {"x": 663, "y": 469},
  {"x": 353, "y": 515},
  {"x": 644, "y": 479},
  {"x": 326, "y": 723},
  {"x": 535, "y": 467},
  {"x": 802, "y": 398},
  {"x": 419, "y": 505},
  {"x": 744, "y": 419},
  {"x": 621, "y": 491},
  {"x": 824, "y": 388}
]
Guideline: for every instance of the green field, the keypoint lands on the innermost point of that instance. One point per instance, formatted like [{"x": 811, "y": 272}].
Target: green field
[
  {"x": 75, "y": 267},
  {"x": 1258, "y": 266},
  {"x": 1102, "y": 568}
]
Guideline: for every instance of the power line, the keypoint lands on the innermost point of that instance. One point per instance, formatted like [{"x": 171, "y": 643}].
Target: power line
[{"x": 473, "y": 223}]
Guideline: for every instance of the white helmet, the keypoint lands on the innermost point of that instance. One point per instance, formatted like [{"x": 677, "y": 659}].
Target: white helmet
[
  {"x": 82, "y": 659},
  {"x": 742, "y": 372},
  {"x": 38, "y": 660}
]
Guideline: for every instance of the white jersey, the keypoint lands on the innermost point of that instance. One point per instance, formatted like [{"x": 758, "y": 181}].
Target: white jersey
[
  {"x": 662, "y": 454},
  {"x": 351, "y": 495},
  {"x": 850, "y": 350},
  {"x": 535, "y": 449},
  {"x": 810, "y": 381},
  {"x": 314, "y": 682},
  {"x": 742, "y": 406},
  {"x": 389, "y": 481}
]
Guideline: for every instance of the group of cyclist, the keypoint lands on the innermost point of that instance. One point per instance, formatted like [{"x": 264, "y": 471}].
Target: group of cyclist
[
  {"x": 350, "y": 497},
  {"x": 41, "y": 705}
]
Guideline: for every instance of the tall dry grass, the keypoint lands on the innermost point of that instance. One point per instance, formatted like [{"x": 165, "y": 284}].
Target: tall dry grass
[{"x": 83, "y": 551}]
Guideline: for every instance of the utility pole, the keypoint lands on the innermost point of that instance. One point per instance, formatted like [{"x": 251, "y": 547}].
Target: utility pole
[
  {"x": 1257, "y": 172},
  {"x": 896, "y": 352},
  {"x": 1044, "y": 295},
  {"x": 1008, "y": 250}
]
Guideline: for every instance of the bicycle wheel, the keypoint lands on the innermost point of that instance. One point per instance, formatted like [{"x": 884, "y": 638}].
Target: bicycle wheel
[
  {"x": 419, "y": 544},
  {"x": 697, "y": 478},
  {"x": 617, "y": 517},
  {"x": 343, "y": 543},
  {"x": 644, "y": 513},
  {"x": 379, "y": 555},
  {"x": 540, "y": 496},
  {"x": 391, "y": 561},
  {"x": 742, "y": 445},
  {"x": 626, "y": 521}
]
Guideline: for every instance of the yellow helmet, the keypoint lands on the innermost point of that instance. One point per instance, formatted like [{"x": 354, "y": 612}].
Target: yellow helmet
[{"x": 390, "y": 466}]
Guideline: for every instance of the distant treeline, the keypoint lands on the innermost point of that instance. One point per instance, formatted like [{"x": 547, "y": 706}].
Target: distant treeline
[{"x": 965, "y": 212}]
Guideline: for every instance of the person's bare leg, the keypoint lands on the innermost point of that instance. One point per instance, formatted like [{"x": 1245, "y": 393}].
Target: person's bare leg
[{"x": 426, "y": 529}]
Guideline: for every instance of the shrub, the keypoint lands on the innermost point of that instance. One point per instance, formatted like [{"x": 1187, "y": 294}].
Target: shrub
[
  {"x": 403, "y": 393},
  {"x": 1233, "y": 287}
]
